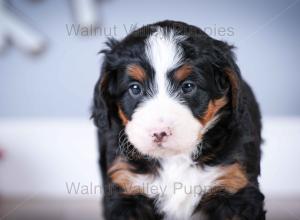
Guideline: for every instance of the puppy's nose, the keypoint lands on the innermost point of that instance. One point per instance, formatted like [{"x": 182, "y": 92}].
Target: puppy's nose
[{"x": 160, "y": 136}]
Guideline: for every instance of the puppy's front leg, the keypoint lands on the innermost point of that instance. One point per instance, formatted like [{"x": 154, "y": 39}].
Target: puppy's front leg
[
  {"x": 123, "y": 207},
  {"x": 246, "y": 204}
]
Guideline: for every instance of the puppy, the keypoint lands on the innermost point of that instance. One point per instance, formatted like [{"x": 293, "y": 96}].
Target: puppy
[{"x": 179, "y": 129}]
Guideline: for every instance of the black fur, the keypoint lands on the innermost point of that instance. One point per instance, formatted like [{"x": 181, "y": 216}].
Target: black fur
[{"x": 235, "y": 138}]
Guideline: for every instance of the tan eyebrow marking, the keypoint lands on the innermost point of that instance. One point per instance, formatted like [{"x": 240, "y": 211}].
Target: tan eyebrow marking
[
  {"x": 183, "y": 72},
  {"x": 136, "y": 72}
]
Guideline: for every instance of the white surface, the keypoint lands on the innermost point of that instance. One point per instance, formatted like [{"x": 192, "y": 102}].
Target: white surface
[
  {"x": 43, "y": 154},
  {"x": 281, "y": 150}
]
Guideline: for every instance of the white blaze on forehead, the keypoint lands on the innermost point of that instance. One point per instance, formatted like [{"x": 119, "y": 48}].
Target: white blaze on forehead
[{"x": 164, "y": 54}]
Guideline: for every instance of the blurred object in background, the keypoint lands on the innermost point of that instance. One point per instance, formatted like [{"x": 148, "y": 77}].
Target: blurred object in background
[
  {"x": 85, "y": 12},
  {"x": 13, "y": 29}
]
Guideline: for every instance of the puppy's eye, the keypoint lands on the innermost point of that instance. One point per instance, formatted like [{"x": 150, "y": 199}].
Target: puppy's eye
[
  {"x": 188, "y": 87},
  {"x": 135, "y": 90}
]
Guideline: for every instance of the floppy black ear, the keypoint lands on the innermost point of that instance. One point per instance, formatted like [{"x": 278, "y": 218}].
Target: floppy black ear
[
  {"x": 100, "y": 109},
  {"x": 103, "y": 107},
  {"x": 230, "y": 72},
  {"x": 234, "y": 80}
]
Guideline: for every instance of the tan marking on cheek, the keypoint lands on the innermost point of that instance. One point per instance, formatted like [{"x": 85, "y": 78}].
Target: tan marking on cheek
[
  {"x": 213, "y": 107},
  {"x": 183, "y": 72},
  {"x": 136, "y": 72},
  {"x": 122, "y": 115},
  {"x": 122, "y": 174},
  {"x": 233, "y": 179}
]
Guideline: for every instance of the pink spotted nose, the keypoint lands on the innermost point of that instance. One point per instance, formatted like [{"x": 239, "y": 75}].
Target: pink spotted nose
[{"x": 161, "y": 135}]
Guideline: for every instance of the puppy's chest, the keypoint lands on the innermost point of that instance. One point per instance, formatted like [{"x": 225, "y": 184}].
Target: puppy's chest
[{"x": 179, "y": 186}]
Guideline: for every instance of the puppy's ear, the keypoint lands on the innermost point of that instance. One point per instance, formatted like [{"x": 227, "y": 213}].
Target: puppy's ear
[
  {"x": 103, "y": 101},
  {"x": 230, "y": 72},
  {"x": 100, "y": 112},
  {"x": 234, "y": 81}
]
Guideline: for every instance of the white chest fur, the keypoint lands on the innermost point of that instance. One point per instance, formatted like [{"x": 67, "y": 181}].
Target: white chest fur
[{"x": 179, "y": 187}]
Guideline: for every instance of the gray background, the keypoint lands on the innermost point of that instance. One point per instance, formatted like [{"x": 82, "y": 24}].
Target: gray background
[{"x": 59, "y": 82}]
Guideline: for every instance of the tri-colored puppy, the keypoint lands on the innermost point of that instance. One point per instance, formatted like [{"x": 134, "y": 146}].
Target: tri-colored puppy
[{"x": 179, "y": 129}]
